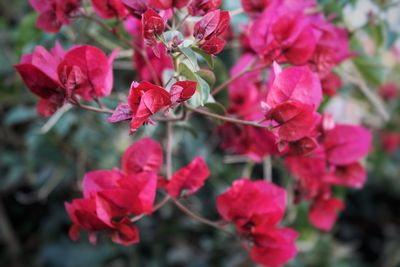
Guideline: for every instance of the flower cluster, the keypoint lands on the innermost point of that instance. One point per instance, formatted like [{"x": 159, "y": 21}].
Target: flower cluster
[
  {"x": 255, "y": 208},
  {"x": 112, "y": 198},
  {"x": 275, "y": 89},
  {"x": 58, "y": 77},
  {"x": 334, "y": 162}
]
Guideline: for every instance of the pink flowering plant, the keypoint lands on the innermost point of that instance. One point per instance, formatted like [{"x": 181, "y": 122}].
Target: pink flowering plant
[{"x": 262, "y": 84}]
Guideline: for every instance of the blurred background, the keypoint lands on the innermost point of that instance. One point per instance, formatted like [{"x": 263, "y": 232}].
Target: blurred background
[{"x": 42, "y": 161}]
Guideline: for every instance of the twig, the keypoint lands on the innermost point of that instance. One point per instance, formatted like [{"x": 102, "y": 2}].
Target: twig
[
  {"x": 267, "y": 168},
  {"x": 55, "y": 118},
  {"x": 169, "y": 149},
  {"x": 227, "y": 119},
  {"x": 201, "y": 219},
  {"x": 236, "y": 12},
  {"x": 95, "y": 109},
  {"x": 155, "y": 208},
  {"x": 356, "y": 79}
]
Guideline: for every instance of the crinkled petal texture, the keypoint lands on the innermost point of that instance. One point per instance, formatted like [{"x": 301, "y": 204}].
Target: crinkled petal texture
[
  {"x": 96, "y": 69},
  {"x": 108, "y": 9},
  {"x": 294, "y": 120},
  {"x": 54, "y": 13},
  {"x": 202, "y": 7},
  {"x": 166, "y": 4},
  {"x": 39, "y": 73},
  {"x": 117, "y": 194},
  {"x": 256, "y": 201},
  {"x": 143, "y": 155},
  {"x": 182, "y": 91},
  {"x": 351, "y": 175},
  {"x": 283, "y": 34},
  {"x": 295, "y": 83},
  {"x": 323, "y": 213},
  {"x": 273, "y": 247},
  {"x": 346, "y": 144},
  {"x": 145, "y": 99},
  {"x": 189, "y": 179},
  {"x": 153, "y": 24},
  {"x": 110, "y": 197}
]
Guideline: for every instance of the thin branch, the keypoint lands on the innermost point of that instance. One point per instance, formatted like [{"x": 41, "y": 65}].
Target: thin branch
[
  {"x": 95, "y": 109},
  {"x": 55, "y": 118},
  {"x": 201, "y": 219},
  {"x": 356, "y": 79},
  {"x": 169, "y": 149},
  {"x": 236, "y": 12},
  {"x": 228, "y": 119},
  {"x": 267, "y": 168},
  {"x": 155, "y": 208}
]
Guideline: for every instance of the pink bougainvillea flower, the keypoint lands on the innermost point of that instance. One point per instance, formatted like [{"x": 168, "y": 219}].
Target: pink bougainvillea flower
[
  {"x": 273, "y": 247},
  {"x": 294, "y": 83},
  {"x": 389, "y": 91},
  {"x": 332, "y": 47},
  {"x": 331, "y": 84},
  {"x": 166, "y": 4},
  {"x": 153, "y": 25},
  {"x": 145, "y": 99},
  {"x": 143, "y": 155},
  {"x": 209, "y": 29},
  {"x": 159, "y": 62},
  {"x": 256, "y": 143},
  {"x": 136, "y": 7},
  {"x": 293, "y": 119},
  {"x": 111, "y": 196},
  {"x": 254, "y": 7},
  {"x": 39, "y": 72},
  {"x": 390, "y": 141},
  {"x": 256, "y": 202},
  {"x": 351, "y": 175},
  {"x": 90, "y": 71},
  {"x": 54, "y": 13},
  {"x": 256, "y": 207},
  {"x": 323, "y": 212},
  {"x": 108, "y": 9},
  {"x": 189, "y": 179},
  {"x": 202, "y": 7},
  {"x": 302, "y": 146},
  {"x": 346, "y": 144},
  {"x": 182, "y": 91},
  {"x": 309, "y": 170},
  {"x": 283, "y": 34}
]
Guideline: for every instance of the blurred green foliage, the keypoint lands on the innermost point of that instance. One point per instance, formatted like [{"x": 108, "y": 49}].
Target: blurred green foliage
[{"x": 42, "y": 164}]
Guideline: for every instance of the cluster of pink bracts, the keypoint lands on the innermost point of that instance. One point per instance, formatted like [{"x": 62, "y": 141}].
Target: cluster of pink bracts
[{"x": 319, "y": 153}]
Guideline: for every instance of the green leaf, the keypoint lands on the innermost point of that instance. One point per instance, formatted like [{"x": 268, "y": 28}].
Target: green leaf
[
  {"x": 190, "y": 58},
  {"x": 204, "y": 89},
  {"x": 20, "y": 115},
  {"x": 371, "y": 70},
  {"x": 185, "y": 71},
  {"x": 207, "y": 75},
  {"x": 216, "y": 107},
  {"x": 207, "y": 58}
]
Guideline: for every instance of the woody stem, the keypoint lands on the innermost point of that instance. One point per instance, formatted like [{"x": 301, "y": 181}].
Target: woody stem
[
  {"x": 169, "y": 148},
  {"x": 155, "y": 208},
  {"x": 199, "y": 218},
  {"x": 226, "y": 118}
]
